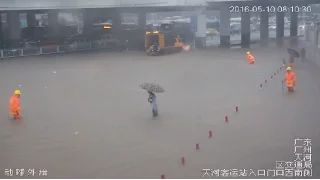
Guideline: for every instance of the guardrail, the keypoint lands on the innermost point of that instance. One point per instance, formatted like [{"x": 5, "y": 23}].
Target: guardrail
[{"x": 52, "y": 49}]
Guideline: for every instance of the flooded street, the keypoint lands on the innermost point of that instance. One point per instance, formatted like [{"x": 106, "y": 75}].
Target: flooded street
[{"x": 84, "y": 115}]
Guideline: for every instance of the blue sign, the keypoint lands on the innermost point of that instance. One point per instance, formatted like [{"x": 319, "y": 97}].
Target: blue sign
[
  {"x": 23, "y": 23},
  {"x": 193, "y": 23}
]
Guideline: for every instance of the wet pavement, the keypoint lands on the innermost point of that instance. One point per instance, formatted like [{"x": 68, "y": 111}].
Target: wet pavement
[{"x": 84, "y": 115}]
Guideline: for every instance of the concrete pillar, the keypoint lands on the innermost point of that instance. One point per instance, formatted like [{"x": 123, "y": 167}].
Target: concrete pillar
[
  {"x": 87, "y": 17},
  {"x": 200, "y": 35},
  {"x": 1, "y": 35},
  {"x": 294, "y": 28},
  {"x": 225, "y": 26},
  {"x": 245, "y": 30},
  {"x": 316, "y": 36},
  {"x": 280, "y": 28},
  {"x": 264, "y": 28},
  {"x": 31, "y": 19},
  {"x": 294, "y": 24},
  {"x": 15, "y": 30},
  {"x": 142, "y": 21},
  {"x": 53, "y": 24},
  {"x": 116, "y": 24},
  {"x": 280, "y": 24}
]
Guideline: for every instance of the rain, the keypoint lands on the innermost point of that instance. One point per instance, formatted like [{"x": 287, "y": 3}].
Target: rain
[{"x": 87, "y": 114}]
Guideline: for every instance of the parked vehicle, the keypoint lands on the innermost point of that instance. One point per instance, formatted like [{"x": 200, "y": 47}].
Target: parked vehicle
[
  {"x": 272, "y": 27},
  {"x": 253, "y": 27},
  {"x": 29, "y": 44},
  {"x": 34, "y": 33},
  {"x": 107, "y": 40},
  {"x": 212, "y": 32},
  {"x": 235, "y": 28},
  {"x": 75, "y": 41}
]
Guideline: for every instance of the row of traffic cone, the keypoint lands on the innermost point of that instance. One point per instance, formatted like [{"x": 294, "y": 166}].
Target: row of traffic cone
[{"x": 226, "y": 119}]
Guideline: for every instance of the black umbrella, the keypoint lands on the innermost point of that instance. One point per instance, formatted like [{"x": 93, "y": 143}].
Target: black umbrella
[
  {"x": 293, "y": 53},
  {"x": 156, "y": 88}
]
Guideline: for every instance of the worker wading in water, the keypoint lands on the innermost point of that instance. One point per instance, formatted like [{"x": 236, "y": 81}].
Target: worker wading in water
[
  {"x": 14, "y": 105},
  {"x": 250, "y": 58},
  {"x": 290, "y": 79},
  {"x": 153, "y": 101}
]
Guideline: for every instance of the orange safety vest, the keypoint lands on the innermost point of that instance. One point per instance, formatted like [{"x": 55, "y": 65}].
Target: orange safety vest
[
  {"x": 14, "y": 105},
  {"x": 250, "y": 58},
  {"x": 290, "y": 79}
]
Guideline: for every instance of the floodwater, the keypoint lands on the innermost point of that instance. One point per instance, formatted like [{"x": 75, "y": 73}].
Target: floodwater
[{"x": 84, "y": 115}]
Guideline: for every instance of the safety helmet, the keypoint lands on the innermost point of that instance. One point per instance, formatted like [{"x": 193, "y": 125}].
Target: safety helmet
[
  {"x": 248, "y": 52},
  {"x": 17, "y": 92},
  {"x": 288, "y": 68}
]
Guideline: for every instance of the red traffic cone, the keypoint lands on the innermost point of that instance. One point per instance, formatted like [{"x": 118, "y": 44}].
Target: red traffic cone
[{"x": 182, "y": 161}]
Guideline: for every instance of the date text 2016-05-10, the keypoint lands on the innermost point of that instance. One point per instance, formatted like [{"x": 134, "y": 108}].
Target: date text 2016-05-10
[{"x": 270, "y": 9}]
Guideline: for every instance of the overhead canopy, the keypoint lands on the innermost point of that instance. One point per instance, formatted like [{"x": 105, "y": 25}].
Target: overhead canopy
[{"x": 133, "y": 5}]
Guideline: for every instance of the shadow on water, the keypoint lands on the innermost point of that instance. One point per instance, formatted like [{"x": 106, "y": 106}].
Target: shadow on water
[{"x": 16, "y": 122}]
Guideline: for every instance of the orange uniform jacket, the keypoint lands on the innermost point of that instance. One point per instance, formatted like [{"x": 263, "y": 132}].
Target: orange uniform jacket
[
  {"x": 14, "y": 105},
  {"x": 290, "y": 79},
  {"x": 250, "y": 59}
]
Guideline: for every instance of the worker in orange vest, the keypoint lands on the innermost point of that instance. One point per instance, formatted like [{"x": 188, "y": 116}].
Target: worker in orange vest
[
  {"x": 290, "y": 79},
  {"x": 14, "y": 105},
  {"x": 250, "y": 58}
]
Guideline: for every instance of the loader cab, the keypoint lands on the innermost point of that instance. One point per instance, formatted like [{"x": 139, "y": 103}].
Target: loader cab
[
  {"x": 154, "y": 37},
  {"x": 166, "y": 27}
]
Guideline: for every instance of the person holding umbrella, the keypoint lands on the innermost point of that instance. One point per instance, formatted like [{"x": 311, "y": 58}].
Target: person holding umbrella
[
  {"x": 292, "y": 55},
  {"x": 153, "y": 88},
  {"x": 290, "y": 79},
  {"x": 153, "y": 101}
]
